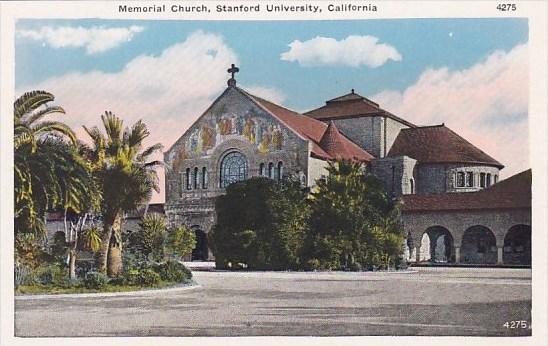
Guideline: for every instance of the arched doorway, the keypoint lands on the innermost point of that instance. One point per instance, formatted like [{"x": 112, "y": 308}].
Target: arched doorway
[
  {"x": 200, "y": 251},
  {"x": 479, "y": 246},
  {"x": 437, "y": 245},
  {"x": 517, "y": 245}
]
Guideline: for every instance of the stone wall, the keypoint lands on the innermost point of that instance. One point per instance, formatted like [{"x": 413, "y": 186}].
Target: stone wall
[
  {"x": 316, "y": 170},
  {"x": 232, "y": 123},
  {"x": 367, "y": 132},
  {"x": 396, "y": 173},
  {"x": 392, "y": 129},
  {"x": 441, "y": 178}
]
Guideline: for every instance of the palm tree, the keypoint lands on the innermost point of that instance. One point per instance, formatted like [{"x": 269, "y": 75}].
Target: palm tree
[
  {"x": 126, "y": 178},
  {"x": 37, "y": 145}
]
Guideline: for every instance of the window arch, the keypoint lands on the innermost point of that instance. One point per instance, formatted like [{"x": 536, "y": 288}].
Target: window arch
[
  {"x": 204, "y": 178},
  {"x": 233, "y": 168},
  {"x": 279, "y": 172},
  {"x": 271, "y": 170},
  {"x": 195, "y": 178},
  {"x": 261, "y": 170},
  {"x": 412, "y": 186},
  {"x": 187, "y": 179}
]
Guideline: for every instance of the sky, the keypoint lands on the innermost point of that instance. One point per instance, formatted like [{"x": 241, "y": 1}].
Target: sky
[{"x": 471, "y": 74}]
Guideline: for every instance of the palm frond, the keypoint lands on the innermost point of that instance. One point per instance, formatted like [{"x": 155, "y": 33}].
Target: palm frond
[{"x": 30, "y": 101}]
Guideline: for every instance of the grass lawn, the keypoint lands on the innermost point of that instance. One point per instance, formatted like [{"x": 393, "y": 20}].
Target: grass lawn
[{"x": 44, "y": 289}]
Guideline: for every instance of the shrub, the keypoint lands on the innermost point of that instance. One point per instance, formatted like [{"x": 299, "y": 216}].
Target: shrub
[
  {"x": 173, "y": 271},
  {"x": 313, "y": 264},
  {"x": 52, "y": 275},
  {"x": 24, "y": 276},
  {"x": 143, "y": 277},
  {"x": 95, "y": 280},
  {"x": 131, "y": 277},
  {"x": 148, "y": 277}
]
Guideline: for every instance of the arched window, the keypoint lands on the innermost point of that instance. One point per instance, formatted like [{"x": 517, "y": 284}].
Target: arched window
[
  {"x": 187, "y": 178},
  {"x": 195, "y": 178},
  {"x": 496, "y": 179},
  {"x": 488, "y": 180},
  {"x": 482, "y": 179},
  {"x": 460, "y": 179},
  {"x": 280, "y": 170},
  {"x": 233, "y": 168},
  {"x": 204, "y": 178},
  {"x": 271, "y": 170},
  {"x": 261, "y": 170},
  {"x": 411, "y": 186}
]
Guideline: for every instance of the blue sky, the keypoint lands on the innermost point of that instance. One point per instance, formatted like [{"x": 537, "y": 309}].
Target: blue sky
[
  {"x": 422, "y": 44},
  {"x": 471, "y": 74}
]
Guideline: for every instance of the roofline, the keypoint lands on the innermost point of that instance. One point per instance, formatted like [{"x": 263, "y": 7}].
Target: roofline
[
  {"x": 195, "y": 121},
  {"x": 252, "y": 99},
  {"x": 499, "y": 166},
  {"x": 403, "y": 210},
  {"x": 381, "y": 113}
]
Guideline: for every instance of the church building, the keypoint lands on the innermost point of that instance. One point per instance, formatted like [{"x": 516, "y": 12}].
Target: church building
[{"x": 241, "y": 135}]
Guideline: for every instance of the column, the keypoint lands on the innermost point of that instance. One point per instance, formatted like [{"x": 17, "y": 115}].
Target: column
[
  {"x": 418, "y": 253},
  {"x": 457, "y": 254},
  {"x": 499, "y": 255}
]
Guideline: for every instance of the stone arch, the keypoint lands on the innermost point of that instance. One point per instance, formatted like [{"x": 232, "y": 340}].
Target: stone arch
[
  {"x": 479, "y": 246},
  {"x": 221, "y": 150},
  {"x": 234, "y": 167},
  {"x": 517, "y": 245},
  {"x": 201, "y": 249},
  {"x": 439, "y": 246}
]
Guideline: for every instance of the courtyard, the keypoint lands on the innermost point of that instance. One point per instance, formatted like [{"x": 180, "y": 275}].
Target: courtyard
[{"x": 428, "y": 301}]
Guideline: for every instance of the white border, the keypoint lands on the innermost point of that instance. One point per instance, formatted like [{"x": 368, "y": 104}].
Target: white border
[{"x": 535, "y": 11}]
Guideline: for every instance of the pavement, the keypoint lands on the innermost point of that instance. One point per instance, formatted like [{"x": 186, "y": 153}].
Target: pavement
[{"x": 429, "y": 301}]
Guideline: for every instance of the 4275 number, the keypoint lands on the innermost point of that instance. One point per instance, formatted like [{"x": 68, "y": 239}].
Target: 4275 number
[
  {"x": 506, "y": 7},
  {"x": 516, "y": 324}
]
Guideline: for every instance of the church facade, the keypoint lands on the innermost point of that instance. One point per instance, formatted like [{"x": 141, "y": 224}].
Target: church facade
[{"x": 241, "y": 136}]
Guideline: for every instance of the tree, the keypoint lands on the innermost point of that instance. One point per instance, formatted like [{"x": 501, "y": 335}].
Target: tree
[
  {"x": 180, "y": 242},
  {"x": 49, "y": 172},
  {"x": 353, "y": 222},
  {"x": 126, "y": 178},
  {"x": 149, "y": 239},
  {"x": 260, "y": 223},
  {"x": 36, "y": 143}
]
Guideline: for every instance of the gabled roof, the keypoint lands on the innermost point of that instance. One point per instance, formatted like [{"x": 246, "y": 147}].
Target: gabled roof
[
  {"x": 312, "y": 130},
  {"x": 438, "y": 144},
  {"x": 352, "y": 105},
  {"x": 511, "y": 193}
]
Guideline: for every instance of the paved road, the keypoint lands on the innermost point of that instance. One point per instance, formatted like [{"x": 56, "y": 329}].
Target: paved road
[{"x": 434, "y": 301}]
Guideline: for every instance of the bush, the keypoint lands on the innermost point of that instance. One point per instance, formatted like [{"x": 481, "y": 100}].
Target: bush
[
  {"x": 95, "y": 280},
  {"x": 52, "y": 275},
  {"x": 143, "y": 277},
  {"x": 173, "y": 271},
  {"x": 148, "y": 277}
]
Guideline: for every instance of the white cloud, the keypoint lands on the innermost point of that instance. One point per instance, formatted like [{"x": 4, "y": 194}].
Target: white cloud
[
  {"x": 96, "y": 39},
  {"x": 353, "y": 51},
  {"x": 168, "y": 92},
  {"x": 486, "y": 103},
  {"x": 267, "y": 93}
]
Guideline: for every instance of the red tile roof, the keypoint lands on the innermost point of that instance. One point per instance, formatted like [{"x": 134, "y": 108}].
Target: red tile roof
[
  {"x": 338, "y": 146},
  {"x": 351, "y": 106},
  {"x": 511, "y": 193},
  {"x": 438, "y": 144},
  {"x": 312, "y": 130}
]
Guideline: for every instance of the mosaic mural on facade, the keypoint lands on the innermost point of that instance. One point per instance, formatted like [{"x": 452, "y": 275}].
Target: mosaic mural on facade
[{"x": 264, "y": 134}]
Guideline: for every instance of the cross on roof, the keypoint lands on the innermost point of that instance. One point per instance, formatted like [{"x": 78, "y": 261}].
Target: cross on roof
[{"x": 232, "y": 70}]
